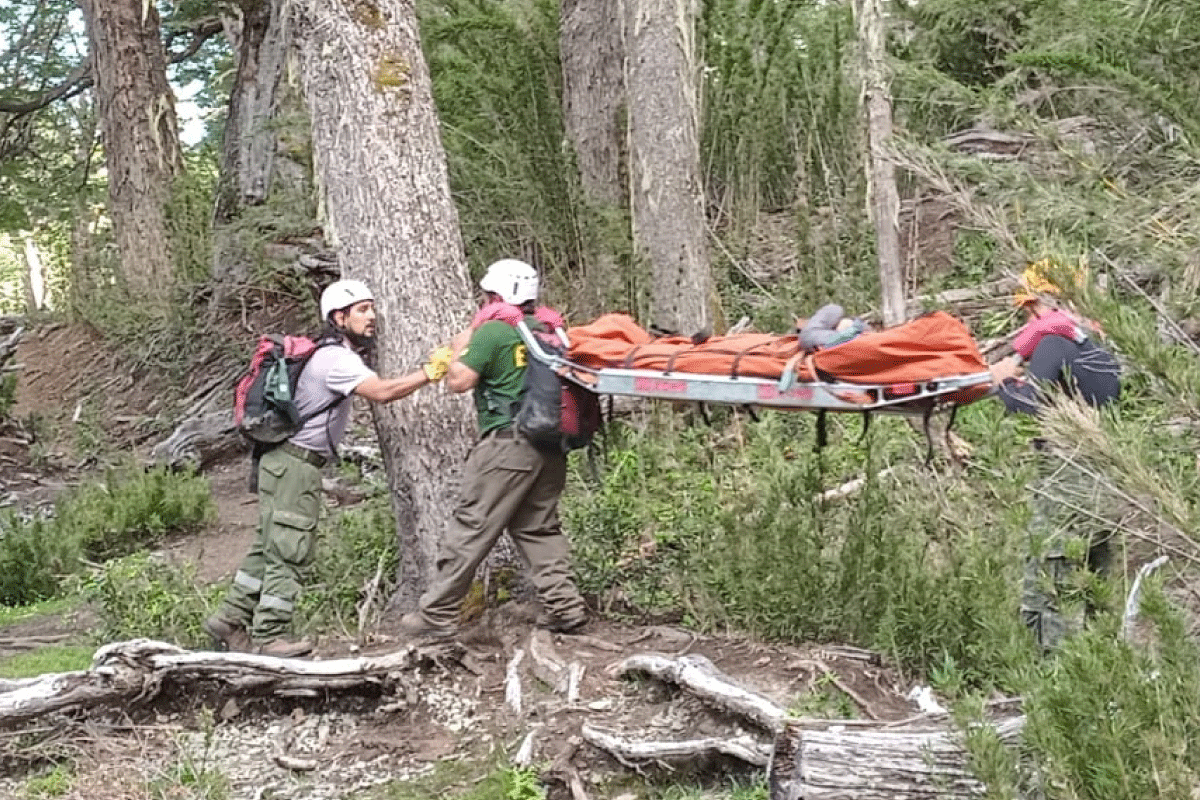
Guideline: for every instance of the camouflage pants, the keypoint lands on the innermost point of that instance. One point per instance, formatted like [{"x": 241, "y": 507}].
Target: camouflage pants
[{"x": 1070, "y": 544}]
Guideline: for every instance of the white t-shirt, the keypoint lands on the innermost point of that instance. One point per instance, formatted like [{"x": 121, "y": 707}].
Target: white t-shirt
[{"x": 333, "y": 372}]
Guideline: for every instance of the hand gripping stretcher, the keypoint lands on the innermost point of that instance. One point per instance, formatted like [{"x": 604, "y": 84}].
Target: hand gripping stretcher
[{"x": 929, "y": 364}]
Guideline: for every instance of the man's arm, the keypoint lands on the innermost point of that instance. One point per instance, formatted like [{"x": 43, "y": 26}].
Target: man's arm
[
  {"x": 460, "y": 378},
  {"x": 385, "y": 390}
]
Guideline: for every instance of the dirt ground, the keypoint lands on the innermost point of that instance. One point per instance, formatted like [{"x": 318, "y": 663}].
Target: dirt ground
[{"x": 451, "y": 711}]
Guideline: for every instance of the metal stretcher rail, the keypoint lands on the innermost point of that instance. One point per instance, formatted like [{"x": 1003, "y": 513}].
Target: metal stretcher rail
[{"x": 782, "y": 393}]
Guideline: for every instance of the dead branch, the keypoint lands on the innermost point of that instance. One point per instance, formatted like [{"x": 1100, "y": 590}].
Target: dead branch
[
  {"x": 839, "y": 684},
  {"x": 631, "y": 752},
  {"x": 512, "y": 681},
  {"x": 546, "y": 664},
  {"x": 1133, "y": 602},
  {"x": 850, "y": 487},
  {"x": 698, "y": 675}
]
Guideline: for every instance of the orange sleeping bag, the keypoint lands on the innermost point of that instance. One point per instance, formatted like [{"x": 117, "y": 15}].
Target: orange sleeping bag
[{"x": 930, "y": 347}]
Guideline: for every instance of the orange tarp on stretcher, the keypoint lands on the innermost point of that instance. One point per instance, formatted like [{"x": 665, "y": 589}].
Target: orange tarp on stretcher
[{"x": 930, "y": 347}]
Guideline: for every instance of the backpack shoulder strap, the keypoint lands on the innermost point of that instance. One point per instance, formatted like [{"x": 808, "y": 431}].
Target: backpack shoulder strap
[{"x": 324, "y": 341}]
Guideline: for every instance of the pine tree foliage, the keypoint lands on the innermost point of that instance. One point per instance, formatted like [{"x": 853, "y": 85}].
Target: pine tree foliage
[{"x": 497, "y": 83}]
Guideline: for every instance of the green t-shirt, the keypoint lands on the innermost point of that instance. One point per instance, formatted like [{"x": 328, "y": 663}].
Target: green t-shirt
[{"x": 497, "y": 353}]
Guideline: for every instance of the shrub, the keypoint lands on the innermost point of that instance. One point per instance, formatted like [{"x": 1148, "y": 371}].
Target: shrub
[
  {"x": 126, "y": 511},
  {"x": 131, "y": 509},
  {"x": 726, "y": 526},
  {"x": 1111, "y": 720},
  {"x": 145, "y": 596},
  {"x": 34, "y": 558}
]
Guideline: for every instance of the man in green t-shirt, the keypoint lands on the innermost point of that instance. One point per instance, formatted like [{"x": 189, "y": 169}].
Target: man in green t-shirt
[{"x": 507, "y": 483}]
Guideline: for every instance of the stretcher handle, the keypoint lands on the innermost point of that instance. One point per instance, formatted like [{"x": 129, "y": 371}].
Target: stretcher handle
[{"x": 532, "y": 343}]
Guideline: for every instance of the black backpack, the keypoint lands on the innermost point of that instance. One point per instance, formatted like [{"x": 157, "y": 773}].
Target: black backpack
[{"x": 554, "y": 413}]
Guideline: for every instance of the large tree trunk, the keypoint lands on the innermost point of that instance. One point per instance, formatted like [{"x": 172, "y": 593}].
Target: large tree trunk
[
  {"x": 382, "y": 172},
  {"x": 666, "y": 198},
  {"x": 884, "y": 198},
  {"x": 265, "y": 144},
  {"x": 141, "y": 139},
  {"x": 592, "y": 50}
]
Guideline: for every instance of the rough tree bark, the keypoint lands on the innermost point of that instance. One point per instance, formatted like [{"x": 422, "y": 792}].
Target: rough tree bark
[
  {"x": 381, "y": 169},
  {"x": 881, "y": 173},
  {"x": 666, "y": 198},
  {"x": 265, "y": 143},
  {"x": 592, "y": 48},
  {"x": 141, "y": 139}
]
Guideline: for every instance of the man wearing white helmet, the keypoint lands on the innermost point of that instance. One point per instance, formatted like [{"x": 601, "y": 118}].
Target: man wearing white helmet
[
  {"x": 507, "y": 484},
  {"x": 258, "y": 607}
]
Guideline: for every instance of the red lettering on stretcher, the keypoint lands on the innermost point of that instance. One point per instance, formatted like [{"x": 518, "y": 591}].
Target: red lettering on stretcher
[
  {"x": 767, "y": 391},
  {"x": 659, "y": 385}
]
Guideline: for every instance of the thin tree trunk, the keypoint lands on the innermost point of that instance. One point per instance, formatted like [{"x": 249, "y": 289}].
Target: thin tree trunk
[
  {"x": 382, "y": 174},
  {"x": 141, "y": 140},
  {"x": 253, "y": 157},
  {"x": 881, "y": 189},
  {"x": 592, "y": 49},
  {"x": 35, "y": 276},
  {"x": 593, "y": 52},
  {"x": 666, "y": 198}
]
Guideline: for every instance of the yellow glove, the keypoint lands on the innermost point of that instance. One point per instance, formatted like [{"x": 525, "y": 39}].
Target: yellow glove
[{"x": 439, "y": 363}]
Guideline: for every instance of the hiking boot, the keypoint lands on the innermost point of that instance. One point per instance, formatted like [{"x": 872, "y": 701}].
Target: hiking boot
[
  {"x": 229, "y": 635},
  {"x": 569, "y": 623},
  {"x": 285, "y": 648},
  {"x": 414, "y": 626}
]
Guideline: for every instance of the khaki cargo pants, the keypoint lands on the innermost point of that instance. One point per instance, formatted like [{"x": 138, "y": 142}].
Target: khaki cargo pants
[
  {"x": 507, "y": 484},
  {"x": 266, "y": 586}
]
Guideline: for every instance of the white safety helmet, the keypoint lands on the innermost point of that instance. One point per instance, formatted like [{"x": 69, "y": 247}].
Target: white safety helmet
[
  {"x": 515, "y": 281},
  {"x": 343, "y": 294}
]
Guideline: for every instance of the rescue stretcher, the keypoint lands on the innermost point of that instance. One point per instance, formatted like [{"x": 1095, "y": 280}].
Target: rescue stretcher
[{"x": 918, "y": 368}]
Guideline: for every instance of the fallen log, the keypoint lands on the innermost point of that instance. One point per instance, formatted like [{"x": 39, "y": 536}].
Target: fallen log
[
  {"x": 8, "y": 347},
  {"x": 198, "y": 441},
  {"x": 136, "y": 671},
  {"x": 920, "y": 760}
]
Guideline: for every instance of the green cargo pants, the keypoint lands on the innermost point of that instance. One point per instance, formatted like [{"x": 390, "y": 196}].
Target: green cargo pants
[
  {"x": 507, "y": 484},
  {"x": 1069, "y": 538},
  {"x": 263, "y": 594}
]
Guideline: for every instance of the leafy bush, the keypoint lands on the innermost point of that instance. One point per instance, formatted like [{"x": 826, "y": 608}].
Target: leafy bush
[
  {"x": 141, "y": 595},
  {"x": 126, "y": 511},
  {"x": 33, "y": 559},
  {"x": 131, "y": 509}
]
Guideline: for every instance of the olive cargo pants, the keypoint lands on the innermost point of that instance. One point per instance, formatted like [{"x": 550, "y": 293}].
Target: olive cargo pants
[
  {"x": 507, "y": 484},
  {"x": 263, "y": 594},
  {"x": 1069, "y": 538}
]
